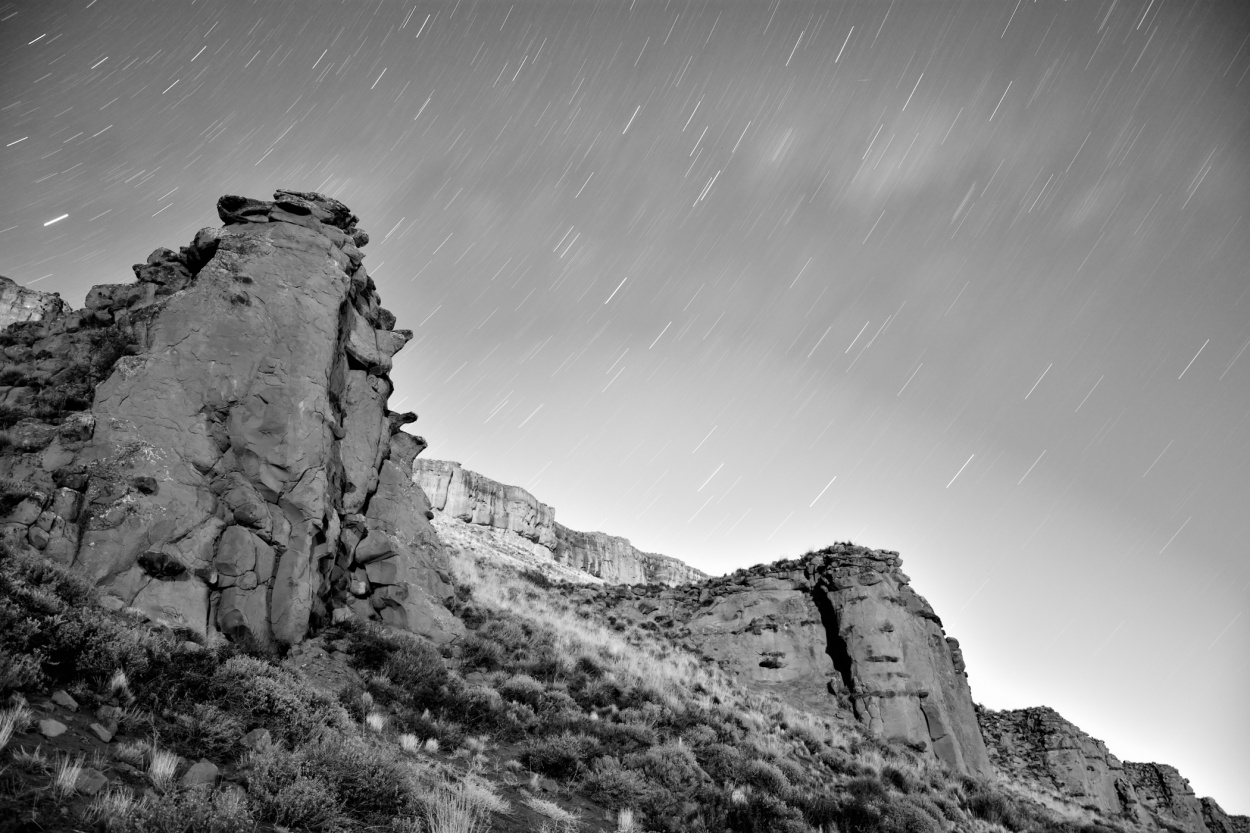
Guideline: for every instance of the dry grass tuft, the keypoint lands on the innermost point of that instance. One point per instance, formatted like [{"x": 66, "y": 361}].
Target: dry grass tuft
[
  {"x": 113, "y": 805},
  {"x": 564, "y": 820},
  {"x": 161, "y": 768},
  {"x": 65, "y": 781}
]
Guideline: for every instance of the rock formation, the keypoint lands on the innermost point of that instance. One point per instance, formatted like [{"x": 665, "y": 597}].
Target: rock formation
[
  {"x": 1037, "y": 747},
  {"x": 19, "y": 304},
  {"x": 1168, "y": 797},
  {"x": 211, "y": 444},
  {"x": 475, "y": 499},
  {"x": 837, "y": 631}
]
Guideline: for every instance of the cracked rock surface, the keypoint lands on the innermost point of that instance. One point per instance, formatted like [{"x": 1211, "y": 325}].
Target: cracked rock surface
[
  {"x": 225, "y": 467},
  {"x": 839, "y": 631}
]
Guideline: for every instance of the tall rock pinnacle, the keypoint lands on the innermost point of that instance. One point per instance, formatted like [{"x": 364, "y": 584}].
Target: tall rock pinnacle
[{"x": 239, "y": 471}]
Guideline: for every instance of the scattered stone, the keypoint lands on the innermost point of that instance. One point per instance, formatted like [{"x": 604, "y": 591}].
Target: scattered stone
[
  {"x": 90, "y": 781},
  {"x": 50, "y": 728},
  {"x": 62, "y": 699},
  {"x": 101, "y": 732},
  {"x": 256, "y": 739},
  {"x": 202, "y": 771}
]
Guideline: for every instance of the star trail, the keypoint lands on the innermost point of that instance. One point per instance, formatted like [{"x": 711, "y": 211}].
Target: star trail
[{"x": 739, "y": 280}]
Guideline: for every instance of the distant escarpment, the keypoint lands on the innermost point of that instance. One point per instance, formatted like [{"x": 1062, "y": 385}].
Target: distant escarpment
[
  {"x": 1037, "y": 747},
  {"x": 211, "y": 444},
  {"x": 838, "y": 631},
  {"x": 475, "y": 499}
]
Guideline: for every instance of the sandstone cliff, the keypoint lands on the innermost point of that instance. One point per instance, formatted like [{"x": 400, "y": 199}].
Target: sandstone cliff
[
  {"x": 1037, "y": 747},
  {"x": 841, "y": 632},
  {"x": 212, "y": 445},
  {"x": 470, "y": 497},
  {"x": 475, "y": 499}
]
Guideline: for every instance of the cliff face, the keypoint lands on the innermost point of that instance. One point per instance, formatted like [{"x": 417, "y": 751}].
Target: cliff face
[
  {"x": 840, "y": 630},
  {"x": 1169, "y": 799},
  {"x": 18, "y": 304},
  {"x": 617, "y": 561},
  {"x": 237, "y": 469},
  {"x": 1037, "y": 747},
  {"x": 470, "y": 497}
]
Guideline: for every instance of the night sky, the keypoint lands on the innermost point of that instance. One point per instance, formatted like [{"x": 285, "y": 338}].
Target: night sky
[{"x": 735, "y": 281}]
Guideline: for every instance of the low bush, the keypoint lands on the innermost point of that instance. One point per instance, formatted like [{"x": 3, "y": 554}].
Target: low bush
[
  {"x": 195, "y": 810},
  {"x": 560, "y": 755},
  {"x": 612, "y": 785}
]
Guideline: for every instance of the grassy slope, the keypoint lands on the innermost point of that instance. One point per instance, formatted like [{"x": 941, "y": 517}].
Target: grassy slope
[{"x": 548, "y": 716}]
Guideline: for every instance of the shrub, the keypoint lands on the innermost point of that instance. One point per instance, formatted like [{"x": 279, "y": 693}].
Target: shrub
[
  {"x": 558, "y": 755},
  {"x": 523, "y": 688},
  {"x": 721, "y": 761},
  {"x": 481, "y": 652},
  {"x": 365, "y": 777},
  {"x": 987, "y": 804},
  {"x": 272, "y": 697},
  {"x": 209, "y": 732},
  {"x": 196, "y": 810},
  {"x": 670, "y": 765},
  {"x": 765, "y": 777},
  {"x": 612, "y": 785}
]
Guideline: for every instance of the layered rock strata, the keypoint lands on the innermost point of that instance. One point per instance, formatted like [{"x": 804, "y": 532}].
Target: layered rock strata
[
  {"x": 839, "y": 631},
  {"x": 475, "y": 499},
  {"x": 232, "y": 465}
]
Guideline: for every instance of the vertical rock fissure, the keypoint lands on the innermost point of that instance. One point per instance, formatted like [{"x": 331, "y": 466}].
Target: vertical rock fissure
[{"x": 836, "y": 646}]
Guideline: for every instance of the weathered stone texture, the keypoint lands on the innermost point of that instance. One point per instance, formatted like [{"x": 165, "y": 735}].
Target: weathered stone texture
[
  {"x": 223, "y": 473},
  {"x": 838, "y": 632},
  {"x": 1166, "y": 796},
  {"x": 18, "y": 304},
  {"x": 1037, "y": 746},
  {"x": 475, "y": 499},
  {"x": 470, "y": 497}
]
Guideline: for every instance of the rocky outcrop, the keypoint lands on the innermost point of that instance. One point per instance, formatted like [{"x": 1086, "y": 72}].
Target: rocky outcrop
[
  {"x": 211, "y": 444},
  {"x": 1038, "y": 747},
  {"x": 472, "y": 498},
  {"x": 838, "y": 631},
  {"x": 1217, "y": 821},
  {"x": 19, "y": 304},
  {"x": 617, "y": 561},
  {"x": 475, "y": 499},
  {"x": 1168, "y": 797}
]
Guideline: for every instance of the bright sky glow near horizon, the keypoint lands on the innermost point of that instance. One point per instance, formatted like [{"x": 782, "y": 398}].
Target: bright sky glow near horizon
[{"x": 737, "y": 280}]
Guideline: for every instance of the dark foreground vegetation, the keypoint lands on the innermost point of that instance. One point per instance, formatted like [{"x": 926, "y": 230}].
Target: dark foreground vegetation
[{"x": 542, "y": 718}]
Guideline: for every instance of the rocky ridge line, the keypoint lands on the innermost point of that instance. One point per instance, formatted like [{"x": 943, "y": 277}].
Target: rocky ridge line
[
  {"x": 476, "y": 499},
  {"x": 211, "y": 444},
  {"x": 1037, "y": 746},
  {"x": 838, "y": 632}
]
